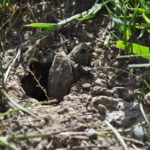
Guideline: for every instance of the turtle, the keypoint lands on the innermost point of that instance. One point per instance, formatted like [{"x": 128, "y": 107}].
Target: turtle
[{"x": 67, "y": 69}]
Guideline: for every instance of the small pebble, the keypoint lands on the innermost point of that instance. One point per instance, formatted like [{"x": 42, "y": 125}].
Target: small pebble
[
  {"x": 98, "y": 81},
  {"x": 147, "y": 97},
  {"x": 105, "y": 100},
  {"x": 89, "y": 118},
  {"x": 86, "y": 86},
  {"x": 91, "y": 133},
  {"x": 138, "y": 133},
  {"x": 99, "y": 104},
  {"x": 108, "y": 92},
  {"x": 101, "y": 109},
  {"x": 94, "y": 55},
  {"x": 97, "y": 90}
]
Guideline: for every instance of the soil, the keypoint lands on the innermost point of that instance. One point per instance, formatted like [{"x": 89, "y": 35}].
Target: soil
[{"x": 110, "y": 92}]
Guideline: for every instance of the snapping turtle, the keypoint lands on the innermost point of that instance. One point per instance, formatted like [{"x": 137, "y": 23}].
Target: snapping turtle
[{"x": 66, "y": 69}]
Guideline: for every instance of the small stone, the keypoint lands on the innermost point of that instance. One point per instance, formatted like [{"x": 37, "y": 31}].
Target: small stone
[
  {"x": 138, "y": 84},
  {"x": 94, "y": 54},
  {"x": 97, "y": 90},
  {"x": 91, "y": 133},
  {"x": 85, "y": 97},
  {"x": 103, "y": 103},
  {"x": 101, "y": 108},
  {"x": 108, "y": 92},
  {"x": 14, "y": 34},
  {"x": 115, "y": 64},
  {"x": 116, "y": 95},
  {"x": 99, "y": 103},
  {"x": 123, "y": 93},
  {"x": 98, "y": 81},
  {"x": 147, "y": 97},
  {"x": 86, "y": 86},
  {"x": 88, "y": 117},
  {"x": 101, "y": 100},
  {"x": 138, "y": 133}
]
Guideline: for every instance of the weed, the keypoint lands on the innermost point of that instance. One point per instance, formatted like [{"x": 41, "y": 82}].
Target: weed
[{"x": 127, "y": 17}]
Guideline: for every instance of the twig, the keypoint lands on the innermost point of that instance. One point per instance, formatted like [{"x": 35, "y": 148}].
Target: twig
[
  {"x": 134, "y": 141},
  {"x": 40, "y": 86},
  {"x": 90, "y": 147}
]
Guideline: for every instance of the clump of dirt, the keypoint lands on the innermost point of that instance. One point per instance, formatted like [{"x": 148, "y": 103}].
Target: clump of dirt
[{"x": 111, "y": 91}]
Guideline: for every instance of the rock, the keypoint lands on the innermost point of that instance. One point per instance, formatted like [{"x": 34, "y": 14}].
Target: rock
[
  {"x": 88, "y": 117},
  {"x": 123, "y": 92},
  {"x": 108, "y": 92},
  {"x": 86, "y": 86},
  {"x": 92, "y": 133},
  {"x": 98, "y": 103},
  {"x": 97, "y": 90},
  {"x": 147, "y": 98},
  {"x": 138, "y": 133},
  {"x": 105, "y": 100},
  {"x": 100, "y": 82}
]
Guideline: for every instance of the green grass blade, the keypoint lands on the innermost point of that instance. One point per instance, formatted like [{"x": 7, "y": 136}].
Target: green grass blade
[
  {"x": 92, "y": 12},
  {"x": 50, "y": 26},
  {"x": 134, "y": 48},
  {"x": 145, "y": 26},
  {"x": 146, "y": 18},
  {"x": 76, "y": 18},
  {"x": 141, "y": 10},
  {"x": 4, "y": 143},
  {"x": 126, "y": 31},
  {"x": 138, "y": 65}
]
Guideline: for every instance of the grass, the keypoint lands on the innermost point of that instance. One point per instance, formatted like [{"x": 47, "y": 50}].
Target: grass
[
  {"x": 130, "y": 18},
  {"x": 127, "y": 17},
  {"x": 86, "y": 15}
]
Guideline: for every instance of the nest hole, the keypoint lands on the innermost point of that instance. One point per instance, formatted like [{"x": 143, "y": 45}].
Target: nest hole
[{"x": 34, "y": 83}]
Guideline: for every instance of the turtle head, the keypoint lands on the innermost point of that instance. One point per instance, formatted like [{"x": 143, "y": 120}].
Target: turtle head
[{"x": 81, "y": 54}]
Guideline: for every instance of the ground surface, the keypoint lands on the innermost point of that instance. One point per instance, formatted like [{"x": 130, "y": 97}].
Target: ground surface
[{"x": 110, "y": 92}]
